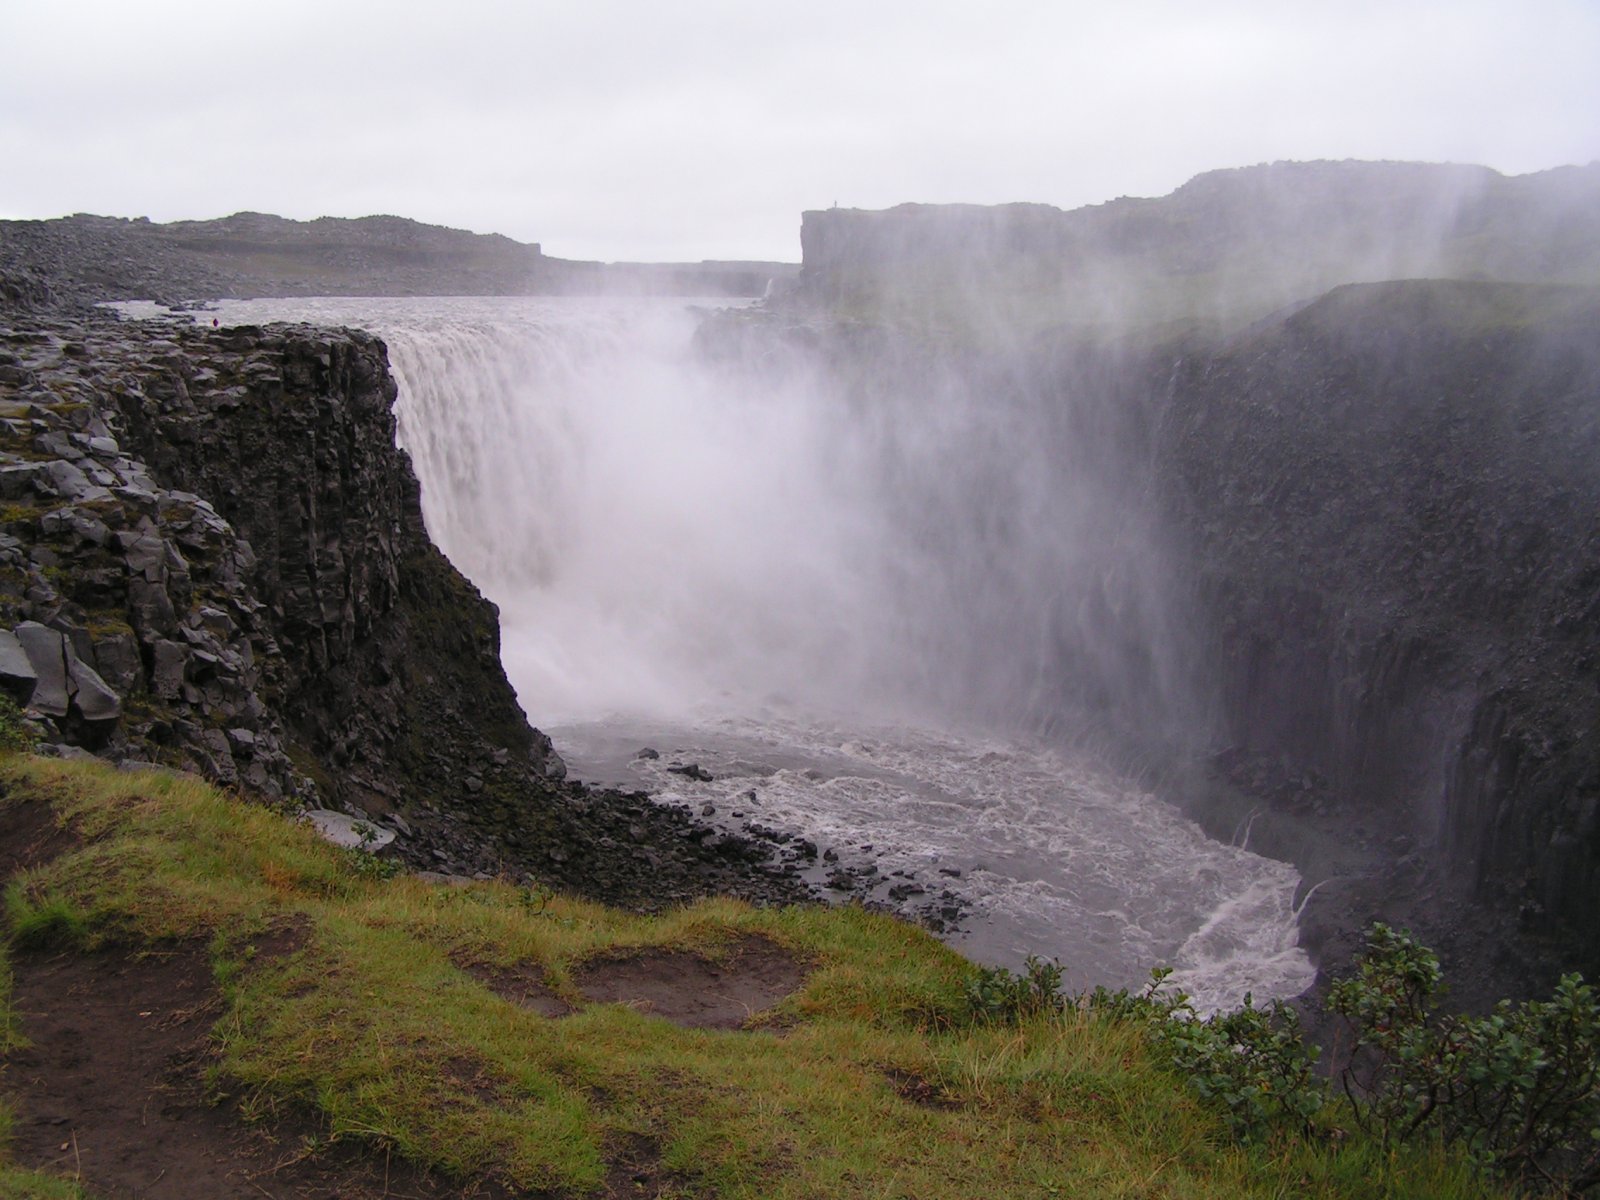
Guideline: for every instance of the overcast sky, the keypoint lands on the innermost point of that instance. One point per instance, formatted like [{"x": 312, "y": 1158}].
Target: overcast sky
[{"x": 686, "y": 129}]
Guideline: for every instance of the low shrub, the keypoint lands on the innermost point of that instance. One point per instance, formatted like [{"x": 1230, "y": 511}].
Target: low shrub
[
  {"x": 997, "y": 995},
  {"x": 1518, "y": 1090}
]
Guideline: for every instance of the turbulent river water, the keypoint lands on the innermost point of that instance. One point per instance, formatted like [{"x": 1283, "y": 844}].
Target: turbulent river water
[{"x": 718, "y": 564}]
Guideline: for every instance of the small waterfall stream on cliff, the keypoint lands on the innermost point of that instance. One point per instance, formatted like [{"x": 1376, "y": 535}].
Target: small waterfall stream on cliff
[{"x": 737, "y": 567}]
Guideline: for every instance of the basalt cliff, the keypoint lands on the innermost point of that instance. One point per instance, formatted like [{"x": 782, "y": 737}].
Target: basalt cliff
[
  {"x": 212, "y": 557},
  {"x": 1388, "y": 501}
]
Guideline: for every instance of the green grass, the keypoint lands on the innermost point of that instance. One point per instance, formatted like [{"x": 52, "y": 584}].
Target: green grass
[{"x": 869, "y": 1082}]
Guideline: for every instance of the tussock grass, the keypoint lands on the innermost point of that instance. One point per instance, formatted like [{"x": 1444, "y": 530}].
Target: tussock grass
[{"x": 868, "y": 1082}]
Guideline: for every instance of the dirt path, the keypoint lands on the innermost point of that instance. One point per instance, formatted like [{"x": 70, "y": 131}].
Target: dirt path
[
  {"x": 113, "y": 1092},
  {"x": 112, "y": 1089}
]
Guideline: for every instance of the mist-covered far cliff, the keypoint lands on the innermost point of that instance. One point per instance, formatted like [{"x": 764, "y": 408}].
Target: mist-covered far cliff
[
  {"x": 1321, "y": 440},
  {"x": 1388, "y": 501},
  {"x": 1226, "y": 248}
]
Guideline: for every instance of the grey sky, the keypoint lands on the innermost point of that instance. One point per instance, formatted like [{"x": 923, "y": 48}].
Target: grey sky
[{"x": 683, "y": 129}]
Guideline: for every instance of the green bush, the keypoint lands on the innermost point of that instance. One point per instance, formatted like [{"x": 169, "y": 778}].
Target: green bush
[
  {"x": 997, "y": 995},
  {"x": 1391, "y": 1064},
  {"x": 1518, "y": 1091},
  {"x": 1252, "y": 1064},
  {"x": 1520, "y": 1088}
]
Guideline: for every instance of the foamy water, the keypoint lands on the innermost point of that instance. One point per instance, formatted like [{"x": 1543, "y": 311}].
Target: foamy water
[{"x": 1056, "y": 855}]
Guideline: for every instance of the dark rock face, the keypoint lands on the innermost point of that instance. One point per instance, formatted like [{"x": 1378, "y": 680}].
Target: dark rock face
[
  {"x": 214, "y": 558},
  {"x": 290, "y": 434},
  {"x": 1392, "y": 495},
  {"x": 1368, "y": 627},
  {"x": 1376, "y": 516},
  {"x": 22, "y": 290},
  {"x": 129, "y": 600}
]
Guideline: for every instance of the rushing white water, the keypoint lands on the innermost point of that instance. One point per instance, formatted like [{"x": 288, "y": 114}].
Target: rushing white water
[{"x": 748, "y": 570}]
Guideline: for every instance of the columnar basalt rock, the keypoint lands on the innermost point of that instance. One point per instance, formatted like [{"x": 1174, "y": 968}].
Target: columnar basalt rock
[
  {"x": 129, "y": 601},
  {"x": 375, "y": 635}
]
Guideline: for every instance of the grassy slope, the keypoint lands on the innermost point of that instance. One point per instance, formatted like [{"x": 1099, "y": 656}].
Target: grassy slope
[{"x": 372, "y": 1025}]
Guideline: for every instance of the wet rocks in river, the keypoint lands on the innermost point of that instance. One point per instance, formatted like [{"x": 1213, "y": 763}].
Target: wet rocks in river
[{"x": 691, "y": 771}]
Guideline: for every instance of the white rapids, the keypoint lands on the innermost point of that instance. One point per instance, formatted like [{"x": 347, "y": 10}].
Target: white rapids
[{"x": 704, "y": 564}]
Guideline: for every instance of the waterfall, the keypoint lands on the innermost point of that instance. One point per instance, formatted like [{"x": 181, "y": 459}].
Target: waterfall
[
  {"x": 855, "y": 594},
  {"x": 677, "y": 542}
]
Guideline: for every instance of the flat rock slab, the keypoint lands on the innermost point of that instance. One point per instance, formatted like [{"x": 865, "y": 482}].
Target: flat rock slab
[
  {"x": 353, "y": 833},
  {"x": 47, "y": 654},
  {"x": 17, "y": 674},
  {"x": 695, "y": 991}
]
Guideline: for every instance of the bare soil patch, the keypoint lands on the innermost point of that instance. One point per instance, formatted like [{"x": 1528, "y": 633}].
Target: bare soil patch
[
  {"x": 915, "y": 1089},
  {"x": 281, "y": 940},
  {"x": 522, "y": 984},
  {"x": 112, "y": 1091},
  {"x": 30, "y": 835},
  {"x": 636, "y": 1172},
  {"x": 695, "y": 991}
]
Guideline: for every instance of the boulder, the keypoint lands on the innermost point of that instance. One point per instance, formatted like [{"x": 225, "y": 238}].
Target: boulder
[
  {"x": 169, "y": 662},
  {"x": 17, "y": 674},
  {"x": 116, "y": 658},
  {"x": 17, "y": 479},
  {"x": 69, "y": 482},
  {"x": 65, "y": 683},
  {"x": 47, "y": 654},
  {"x": 94, "y": 701},
  {"x": 145, "y": 555}
]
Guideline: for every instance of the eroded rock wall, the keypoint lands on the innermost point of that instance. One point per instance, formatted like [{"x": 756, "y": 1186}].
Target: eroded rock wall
[
  {"x": 1393, "y": 495},
  {"x": 290, "y": 432}
]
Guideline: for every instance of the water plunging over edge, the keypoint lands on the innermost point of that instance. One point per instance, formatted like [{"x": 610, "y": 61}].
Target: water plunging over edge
[{"x": 708, "y": 569}]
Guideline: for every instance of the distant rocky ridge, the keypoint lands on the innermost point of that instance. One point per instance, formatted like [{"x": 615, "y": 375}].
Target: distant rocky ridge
[{"x": 89, "y": 259}]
